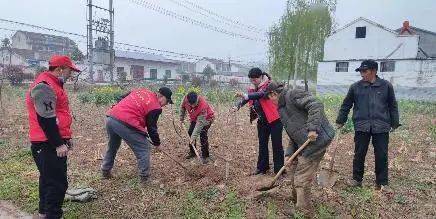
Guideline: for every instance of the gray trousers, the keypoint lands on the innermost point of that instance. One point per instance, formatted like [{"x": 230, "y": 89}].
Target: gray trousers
[{"x": 135, "y": 139}]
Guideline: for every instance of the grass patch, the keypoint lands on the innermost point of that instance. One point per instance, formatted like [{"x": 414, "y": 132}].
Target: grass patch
[
  {"x": 271, "y": 211},
  {"x": 400, "y": 199},
  {"x": 14, "y": 185},
  {"x": 325, "y": 212},
  {"x": 233, "y": 207},
  {"x": 362, "y": 194},
  {"x": 192, "y": 207}
]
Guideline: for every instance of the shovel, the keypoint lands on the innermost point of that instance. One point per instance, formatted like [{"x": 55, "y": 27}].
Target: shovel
[
  {"x": 327, "y": 178},
  {"x": 271, "y": 185}
]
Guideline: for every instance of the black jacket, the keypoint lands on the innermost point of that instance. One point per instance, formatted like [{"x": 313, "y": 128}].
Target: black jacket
[
  {"x": 374, "y": 105},
  {"x": 301, "y": 112}
]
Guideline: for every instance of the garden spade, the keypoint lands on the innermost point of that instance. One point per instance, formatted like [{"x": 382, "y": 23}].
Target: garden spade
[
  {"x": 271, "y": 185},
  {"x": 327, "y": 178}
]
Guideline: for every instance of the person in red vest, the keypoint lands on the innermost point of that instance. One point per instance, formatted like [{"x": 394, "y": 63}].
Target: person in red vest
[
  {"x": 134, "y": 120},
  {"x": 268, "y": 123},
  {"x": 50, "y": 133},
  {"x": 201, "y": 116}
]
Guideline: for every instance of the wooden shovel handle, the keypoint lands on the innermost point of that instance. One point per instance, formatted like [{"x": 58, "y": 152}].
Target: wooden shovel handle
[{"x": 294, "y": 155}]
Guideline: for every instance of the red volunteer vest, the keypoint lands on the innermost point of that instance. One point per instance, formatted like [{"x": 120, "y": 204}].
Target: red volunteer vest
[
  {"x": 202, "y": 106},
  {"x": 63, "y": 114},
  {"x": 133, "y": 109},
  {"x": 268, "y": 107}
]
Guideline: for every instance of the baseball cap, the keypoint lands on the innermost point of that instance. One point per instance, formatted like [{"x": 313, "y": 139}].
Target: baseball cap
[
  {"x": 167, "y": 93},
  {"x": 58, "y": 61},
  {"x": 367, "y": 64}
]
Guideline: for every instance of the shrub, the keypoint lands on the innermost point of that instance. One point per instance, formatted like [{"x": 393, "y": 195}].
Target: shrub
[{"x": 14, "y": 74}]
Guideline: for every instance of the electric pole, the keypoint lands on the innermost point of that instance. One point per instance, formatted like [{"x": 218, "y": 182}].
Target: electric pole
[
  {"x": 90, "y": 43},
  {"x": 103, "y": 28}
]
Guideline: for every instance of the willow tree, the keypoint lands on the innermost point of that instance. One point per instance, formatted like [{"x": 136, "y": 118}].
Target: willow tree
[{"x": 296, "y": 43}]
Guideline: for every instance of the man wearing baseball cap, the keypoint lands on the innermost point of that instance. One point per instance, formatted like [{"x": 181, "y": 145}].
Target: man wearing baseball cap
[
  {"x": 134, "y": 120},
  {"x": 375, "y": 113},
  {"x": 50, "y": 133}
]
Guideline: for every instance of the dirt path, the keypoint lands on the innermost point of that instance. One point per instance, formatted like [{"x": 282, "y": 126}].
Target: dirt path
[{"x": 7, "y": 210}]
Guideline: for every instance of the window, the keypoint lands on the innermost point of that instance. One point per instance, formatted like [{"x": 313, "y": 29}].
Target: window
[
  {"x": 360, "y": 32},
  {"x": 120, "y": 69},
  {"x": 341, "y": 67},
  {"x": 137, "y": 72},
  {"x": 388, "y": 66},
  {"x": 168, "y": 73},
  {"x": 153, "y": 73}
]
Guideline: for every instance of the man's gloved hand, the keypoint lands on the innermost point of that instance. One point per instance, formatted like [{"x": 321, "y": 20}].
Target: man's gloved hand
[
  {"x": 62, "y": 151},
  {"x": 312, "y": 135}
]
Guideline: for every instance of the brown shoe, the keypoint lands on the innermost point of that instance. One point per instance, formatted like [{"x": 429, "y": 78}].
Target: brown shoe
[
  {"x": 383, "y": 188},
  {"x": 106, "y": 174}
]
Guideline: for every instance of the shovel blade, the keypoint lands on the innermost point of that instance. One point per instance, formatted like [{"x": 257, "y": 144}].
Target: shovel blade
[
  {"x": 265, "y": 188},
  {"x": 326, "y": 179}
]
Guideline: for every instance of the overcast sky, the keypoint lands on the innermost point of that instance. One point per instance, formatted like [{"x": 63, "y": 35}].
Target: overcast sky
[{"x": 138, "y": 25}]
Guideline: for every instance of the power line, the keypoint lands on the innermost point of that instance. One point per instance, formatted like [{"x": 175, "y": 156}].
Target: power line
[
  {"x": 192, "y": 21},
  {"x": 224, "y": 17},
  {"x": 217, "y": 19},
  {"x": 163, "y": 52}
]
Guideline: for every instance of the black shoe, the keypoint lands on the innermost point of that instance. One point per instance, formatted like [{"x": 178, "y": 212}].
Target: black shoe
[
  {"x": 259, "y": 172},
  {"x": 190, "y": 156},
  {"x": 144, "y": 179},
  {"x": 106, "y": 174},
  {"x": 354, "y": 183}
]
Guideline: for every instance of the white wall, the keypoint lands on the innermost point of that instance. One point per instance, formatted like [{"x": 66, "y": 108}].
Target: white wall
[
  {"x": 15, "y": 59},
  {"x": 19, "y": 41},
  {"x": 200, "y": 65},
  {"x": 225, "y": 78},
  {"x": 408, "y": 73},
  {"x": 378, "y": 44}
]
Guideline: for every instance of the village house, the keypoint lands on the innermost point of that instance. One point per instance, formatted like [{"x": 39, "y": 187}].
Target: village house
[
  {"x": 224, "y": 71},
  {"x": 406, "y": 56}
]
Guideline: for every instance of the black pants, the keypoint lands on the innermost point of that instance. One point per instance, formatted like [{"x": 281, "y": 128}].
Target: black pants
[
  {"x": 52, "y": 179},
  {"x": 203, "y": 140},
  {"x": 274, "y": 129},
  {"x": 380, "y": 143}
]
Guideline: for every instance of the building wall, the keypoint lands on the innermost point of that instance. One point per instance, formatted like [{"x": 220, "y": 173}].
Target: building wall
[
  {"x": 160, "y": 66},
  {"x": 19, "y": 41},
  {"x": 408, "y": 73},
  {"x": 14, "y": 60},
  {"x": 378, "y": 44},
  {"x": 200, "y": 65}
]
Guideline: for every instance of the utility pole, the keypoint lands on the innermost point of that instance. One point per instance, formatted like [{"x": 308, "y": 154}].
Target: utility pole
[
  {"x": 111, "y": 39},
  {"x": 103, "y": 52},
  {"x": 90, "y": 43}
]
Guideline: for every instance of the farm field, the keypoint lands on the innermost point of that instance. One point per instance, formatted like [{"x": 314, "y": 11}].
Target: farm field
[{"x": 174, "y": 194}]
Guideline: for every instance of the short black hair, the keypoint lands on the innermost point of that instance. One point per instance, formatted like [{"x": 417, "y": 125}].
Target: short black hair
[
  {"x": 255, "y": 73},
  {"x": 192, "y": 97},
  {"x": 52, "y": 68}
]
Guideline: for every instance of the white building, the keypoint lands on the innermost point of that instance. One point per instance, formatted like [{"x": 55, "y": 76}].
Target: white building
[
  {"x": 406, "y": 56},
  {"x": 136, "y": 66},
  {"x": 224, "y": 71}
]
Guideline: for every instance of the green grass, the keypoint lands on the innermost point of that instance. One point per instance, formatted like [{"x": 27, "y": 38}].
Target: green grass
[
  {"x": 14, "y": 185},
  {"x": 325, "y": 212},
  {"x": 195, "y": 205},
  {"x": 271, "y": 211}
]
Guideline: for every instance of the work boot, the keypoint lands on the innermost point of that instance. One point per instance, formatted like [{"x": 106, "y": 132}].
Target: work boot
[
  {"x": 144, "y": 179},
  {"x": 190, "y": 156},
  {"x": 354, "y": 183},
  {"x": 258, "y": 172},
  {"x": 106, "y": 174},
  {"x": 304, "y": 204},
  {"x": 383, "y": 188}
]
